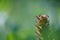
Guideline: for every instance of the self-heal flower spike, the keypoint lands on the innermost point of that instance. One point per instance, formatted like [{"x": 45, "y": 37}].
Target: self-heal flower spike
[{"x": 41, "y": 24}]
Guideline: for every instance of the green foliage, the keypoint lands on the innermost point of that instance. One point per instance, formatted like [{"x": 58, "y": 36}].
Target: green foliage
[{"x": 20, "y": 21}]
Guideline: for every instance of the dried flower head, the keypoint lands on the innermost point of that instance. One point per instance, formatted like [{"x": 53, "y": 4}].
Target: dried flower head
[{"x": 41, "y": 19}]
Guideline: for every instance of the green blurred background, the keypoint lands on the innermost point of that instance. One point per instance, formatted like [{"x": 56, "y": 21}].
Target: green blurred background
[{"x": 17, "y": 18}]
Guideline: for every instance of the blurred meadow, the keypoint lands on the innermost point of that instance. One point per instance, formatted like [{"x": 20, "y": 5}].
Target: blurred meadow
[{"x": 18, "y": 18}]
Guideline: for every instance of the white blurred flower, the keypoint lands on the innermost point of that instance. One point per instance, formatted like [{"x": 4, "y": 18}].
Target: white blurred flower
[{"x": 3, "y": 17}]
